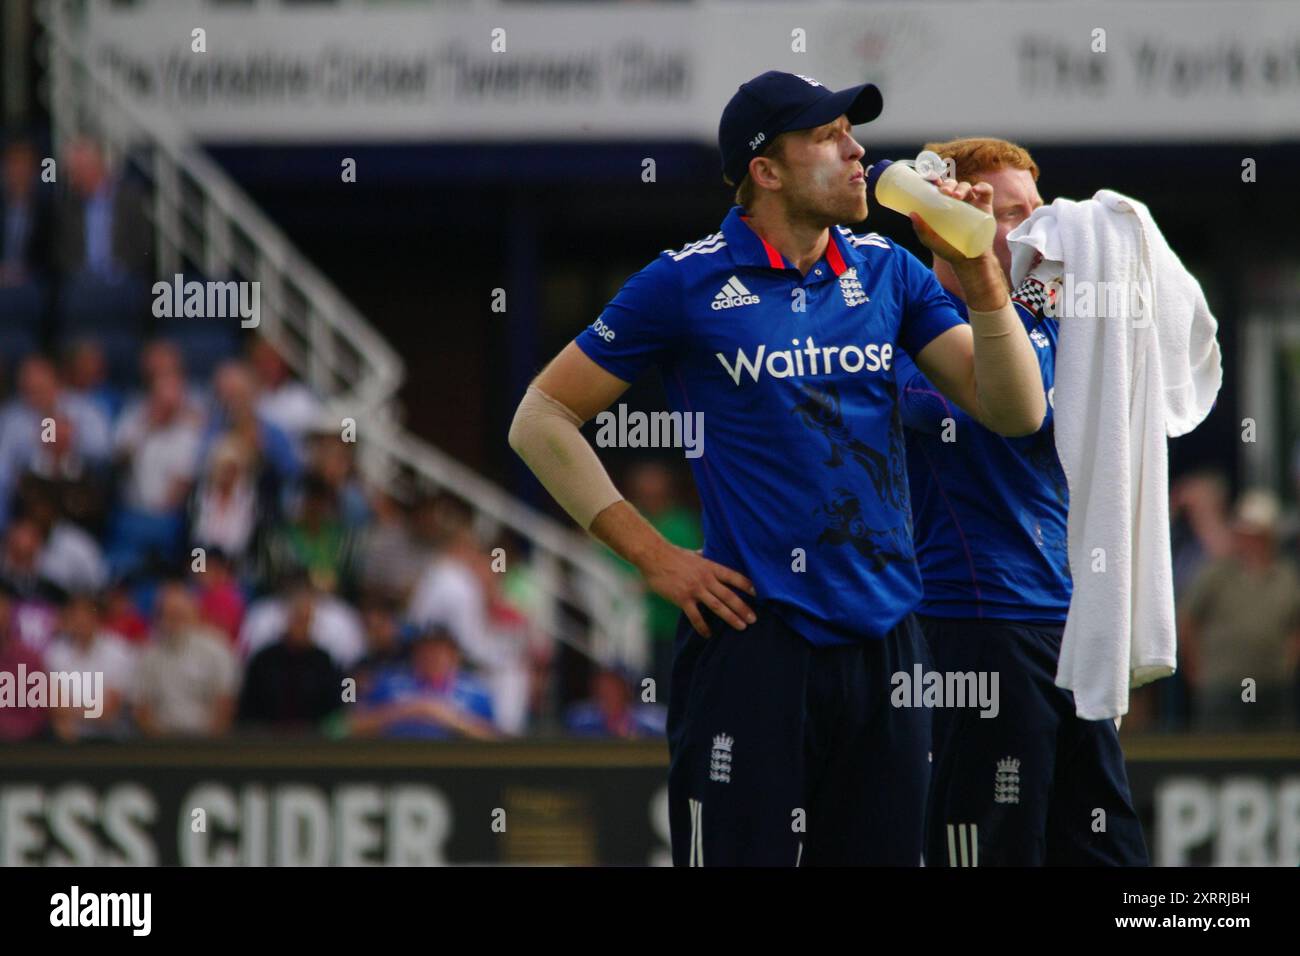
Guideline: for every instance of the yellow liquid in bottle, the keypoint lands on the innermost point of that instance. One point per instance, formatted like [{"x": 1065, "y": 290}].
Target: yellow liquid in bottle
[{"x": 961, "y": 225}]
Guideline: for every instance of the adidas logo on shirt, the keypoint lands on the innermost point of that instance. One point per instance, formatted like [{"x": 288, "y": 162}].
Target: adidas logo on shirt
[{"x": 732, "y": 295}]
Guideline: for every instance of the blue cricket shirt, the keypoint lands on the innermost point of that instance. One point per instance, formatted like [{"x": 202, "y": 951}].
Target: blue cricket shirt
[
  {"x": 989, "y": 511},
  {"x": 802, "y": 477}
]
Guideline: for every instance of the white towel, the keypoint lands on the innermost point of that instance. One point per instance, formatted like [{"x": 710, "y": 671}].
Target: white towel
[{"x": 1122, "y": 385}]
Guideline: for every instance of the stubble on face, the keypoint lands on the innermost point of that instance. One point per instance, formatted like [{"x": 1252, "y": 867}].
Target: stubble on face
[{"x": 818, "y": 190}]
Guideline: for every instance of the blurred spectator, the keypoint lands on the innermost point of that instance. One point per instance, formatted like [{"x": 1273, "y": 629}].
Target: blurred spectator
[
  {"x": 226, "y": 508},
  {"x": 651, "y": 488},
  {"x": 104, "y": 251},
  {"x": 518, "y": 650},
  {"x": 283, "y": 400},
  {"x": 291, "y": 682},
  {"x": 85, "y": 647},
  {"x": 430, "y": 698},
  {"x": 17, "y": 723},
  {"x": 188, "y": 677},
  {"x": 431, "y": 516},
  {"x": 25, "y": 250},
  {"x": 122, "y": 617},
  {"x": 103, "y": 232},
  {"x": 235, "y": 413},
  {"x": 383, "y": 633},
  {"x": 335, "y": 625},
  {"x": 523, "y": 588},
  {"x": 448, "y": 592},
  {"x": 85, "y": 370},
  {"x": 611, "y": 712},
  {"x": 1201, "y": 533},
  {"x": 521, "y": 584},
  {"x": 48, "y": 430},
  {"x": 388, "y": 558},
  {"x": 35, "y": 615},
  {"x": 315, "y": 540},
  {"x": 160, "y": 358},
  {"x": 332, "y": 459},
  {"x": 157, "y": 445},
  {"x": 1241, "y": 619},
  {"x": 69, "y": 557},
  {"x": 20, "y": 560},
  {"x": 220, "y": 598},
  {"x": 24, "y": 216},
  {"x": 451, "y": 594}
]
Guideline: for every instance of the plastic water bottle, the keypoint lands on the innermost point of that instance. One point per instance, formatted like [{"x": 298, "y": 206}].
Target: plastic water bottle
[{"x": 900, "y": 187}]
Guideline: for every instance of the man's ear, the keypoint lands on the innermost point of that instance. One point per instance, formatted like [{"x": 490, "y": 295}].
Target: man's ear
[{"x": 763, "y": 171}]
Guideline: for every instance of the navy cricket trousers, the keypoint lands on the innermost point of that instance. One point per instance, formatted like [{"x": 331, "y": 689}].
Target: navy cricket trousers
[
  {"x": 785, "y": 754},
  {"x": 1035, "y": 785}
]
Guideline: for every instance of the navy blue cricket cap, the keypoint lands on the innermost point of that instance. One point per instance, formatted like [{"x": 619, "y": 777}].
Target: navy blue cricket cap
[{"x": 774, "y": 103}]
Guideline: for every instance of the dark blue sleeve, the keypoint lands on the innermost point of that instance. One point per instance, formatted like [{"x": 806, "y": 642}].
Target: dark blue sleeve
[
  {"x": 927, "y": 311},
  {"x": 640, "y": 326},
  {"x": 922, "y": 406}
]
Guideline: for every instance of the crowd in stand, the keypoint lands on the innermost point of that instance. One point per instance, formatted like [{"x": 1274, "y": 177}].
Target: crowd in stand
[
  {"x": 226, "y": 570},
  {"x": 179, "y": 514},
  {"x": 1237, "y": 587}
]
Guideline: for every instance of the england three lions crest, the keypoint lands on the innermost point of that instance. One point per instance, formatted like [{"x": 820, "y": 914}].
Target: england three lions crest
[{"x": 720, "y": 759}]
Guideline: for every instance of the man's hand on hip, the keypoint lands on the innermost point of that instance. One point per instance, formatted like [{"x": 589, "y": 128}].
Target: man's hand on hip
[{"x": 689, "y": 579}]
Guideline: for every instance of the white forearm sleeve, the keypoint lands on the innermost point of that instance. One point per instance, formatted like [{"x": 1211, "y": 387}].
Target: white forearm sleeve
[
  {"x": 1008, "y": 380},
  {"x": 545, "y": 435}
]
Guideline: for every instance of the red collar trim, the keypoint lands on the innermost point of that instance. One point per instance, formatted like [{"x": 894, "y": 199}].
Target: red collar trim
[
  {"x": 833, "y": 255},
  {"x": 834, "y": 258},
  {"x": 774, "y": 258}
]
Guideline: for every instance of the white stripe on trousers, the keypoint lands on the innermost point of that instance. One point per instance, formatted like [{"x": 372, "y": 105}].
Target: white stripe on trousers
[
  {"x": 697, "y": 832},
  {"x": 959, "y": 831}
]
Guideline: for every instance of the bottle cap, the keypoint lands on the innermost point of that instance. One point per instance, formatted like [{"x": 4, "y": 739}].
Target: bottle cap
[{"x": 873, "y": 176}]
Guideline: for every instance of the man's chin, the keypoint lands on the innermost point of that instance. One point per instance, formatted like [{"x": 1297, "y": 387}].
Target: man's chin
[
  {"x": 853, "y": 212},
  {"x": 838, "y": 211}
]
